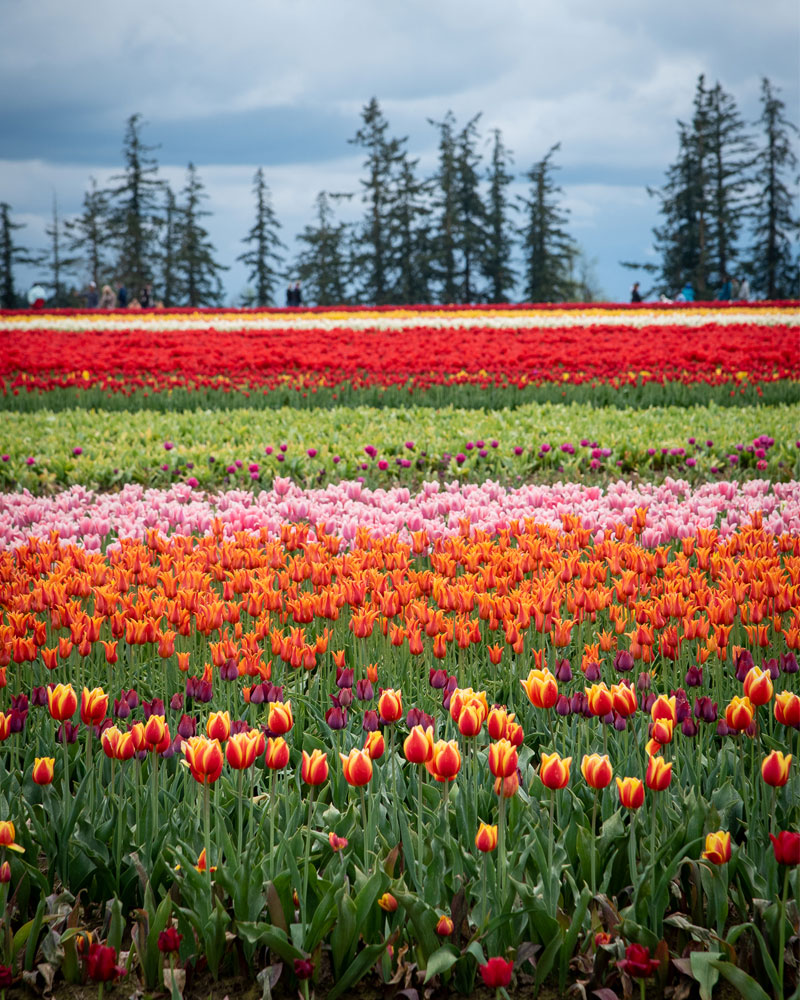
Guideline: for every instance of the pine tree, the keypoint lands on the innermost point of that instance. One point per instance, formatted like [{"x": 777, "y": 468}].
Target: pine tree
[
  {"x": 471, "y": 210},
  {"x": 263, "y": 259},
  {"x": 773, "y": 266},
  {"x": 89, "y": 235},
  {"x": 133, "y": 212},
  {"x": 548, "y": 250},
  {"x": 11, "y": 255},
  {"x": 167, "y": 253},
  {"x": 499, "y": 246},
  {"x": 730, "y": 150},
  {"x": 197, "y": 271},
  {"x": 373, "y": 246},
  {"x": 57, "y": 259},
  {"x": 409, "y": 234},
  {"x": 444, "y": 237},
  {"x": 322, "y": 265}
]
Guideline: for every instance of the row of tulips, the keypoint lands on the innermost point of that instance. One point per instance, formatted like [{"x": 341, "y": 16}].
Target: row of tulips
[
  {"x": 42, "y": 451},
  {"x": 673, "y": 510},
  {"x": 393, "y": 790}
]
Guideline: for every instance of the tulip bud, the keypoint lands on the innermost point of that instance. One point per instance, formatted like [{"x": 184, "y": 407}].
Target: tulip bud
[{"x": 718, "y": 847}]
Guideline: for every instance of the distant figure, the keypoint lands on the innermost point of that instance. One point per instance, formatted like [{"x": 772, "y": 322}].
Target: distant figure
[
  {"x": 92, "y": 296},
  {"x": 122, "y": 296},
  {"x": 744, "y": 290},
  {"x": 726, "y": 291},
  {"x": 289, "y": 296},
  {"x": 108, "y": 299},
  {"x": 36, "y": 297},
  {"x": 135, "y": 304},
  {"x": 686, "y": 294},
  {"x": 298, "y": 295},
  {"x": 146, "y": 297},
  {"x": 635, "y": 293}
]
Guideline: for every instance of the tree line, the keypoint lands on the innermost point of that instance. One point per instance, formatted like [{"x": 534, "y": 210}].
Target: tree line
[{"x": 456, "y": 236}]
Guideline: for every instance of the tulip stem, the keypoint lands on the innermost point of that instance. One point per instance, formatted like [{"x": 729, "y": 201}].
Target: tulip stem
[
  {"x": 239, "y": 779},
  {"x": 782, "y": 928},
  {"x": 89, "y": 766},
  {"x": 420, "y": 779},
  {"x": 501, "y": 847},
  {"x": 653, "y": 822},
  {"x": 366, "y": 829},
  {"x": 154, "y": 790},
  {"x": 207, "y": 831},
  {"x": 550, "y": 853},
  {"x": 593, "y": 859},
  {"x": 307, "y": 856}
]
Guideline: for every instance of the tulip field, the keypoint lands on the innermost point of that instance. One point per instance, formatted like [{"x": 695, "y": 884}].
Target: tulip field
[{"x": 401, "y": 653}]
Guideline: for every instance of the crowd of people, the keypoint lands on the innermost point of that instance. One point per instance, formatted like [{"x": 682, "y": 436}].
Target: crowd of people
[{"x": 731, "y": 290}]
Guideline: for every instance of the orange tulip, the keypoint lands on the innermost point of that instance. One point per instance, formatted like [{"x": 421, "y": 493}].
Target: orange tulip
[
  {"x": 507, "y": 788},
  {"x": 554, "y": 771},
  {"x": 623, "y": 698},
  {"x": 387, "y": 902},
  {"x": 109, "y": 740},
  {"x": 718, "y": 847},
  {"x": 659, "y": 774},
  {"x": 279, "y": 718},
  {"x": 470, "y": 721},
  {"x": 314, "y": 769},
  {"x": 418, "y": 745},
  {"x": 43, "y": 770},
  {"x": 154, "y": 731},
  {"x": 497, "y": 722},
  {"x": 787, "y": 709},
  {"x": 662, "y": 731},
  {"x": 503, "y": 759},
  {"x": 445, "y": 926},
  {"x": 218, "y": 726},
  {"x": 600, "y": 699},
  {"x": 486, "y": 838},
  {"x": 375, "y": 745},
  {"x": 631, "y": 792},
  {"x": 775, "y": 768},
  {"x": 240, "y": 750},
  {"x": 337, "y": 843},
  {"x": 664, "y": 708},
  {"x": 62, "y": 702},
  {"x": 125, "y": 747},
  {"x": 202, "y": 864},
  {"x": 7, "y": 836},
  {"x": 5, "y": 725},
  {"x": 739, "y": 713},
  {"x": 541, "y": 688},
  {"x": 390, "y": 705},
  {"x": 277, "y": 755},
  {"x": 597, "y": 770},
  {"x": 204, "y": 757},
  {"x": 515, "y": 734},
  {"x": 758, "y": 686},
  {"x": 445, "y": 762},
  {"x": 357, "y": 767}
]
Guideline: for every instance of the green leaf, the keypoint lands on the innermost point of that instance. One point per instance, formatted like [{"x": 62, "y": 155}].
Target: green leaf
[
  {"x": 704, "y": 971},
  {"x": 364, "y": 960},
  {"x": 344, "y": 933},
  {"x": 440, "y": 961},
  {"x": 747, "y": 986},
  {"x": 273, "y": 937}
]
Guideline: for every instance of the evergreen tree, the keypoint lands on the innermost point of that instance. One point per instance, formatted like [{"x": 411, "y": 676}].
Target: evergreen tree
[
  {"x": 322, "y": 266},
  {"x": 373, "y": 245},
  {"x": 57, "y": 260},
  {"x": 89, "y": 234},
  {"x": 729, "y": 150},
  {"x": 133, "y": 212},
  {"x": 167, "y": 254},
  {"x": 409, "y": 234},
  {"x": 263, "y": 259},
  {"x": 471, "y": 211},
  {"x": 773, "y": 266},
  {"x": 11, "y": 255},
  {"x": 548, "y": 250},
  {"x": 444, "y": 237},
  {"x": 197, "y": 271},
  {"x": 499, "y": 245}
]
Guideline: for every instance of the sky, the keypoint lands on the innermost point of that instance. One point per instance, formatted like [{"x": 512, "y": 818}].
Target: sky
[{"x": 246, "y": 83}]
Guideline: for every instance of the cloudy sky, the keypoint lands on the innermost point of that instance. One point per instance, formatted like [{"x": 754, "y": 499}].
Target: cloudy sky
[{"x": 244, "y": 83}]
